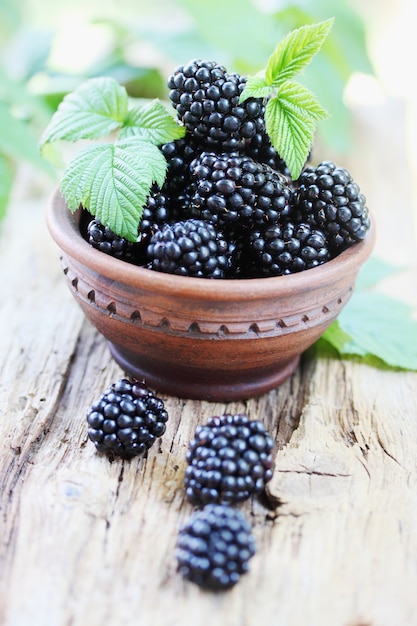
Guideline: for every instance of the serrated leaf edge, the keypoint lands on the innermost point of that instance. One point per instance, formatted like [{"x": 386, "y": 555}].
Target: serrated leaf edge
[
  {"x": 282, "y": 65},
  {"x": 72, "y": 122}
]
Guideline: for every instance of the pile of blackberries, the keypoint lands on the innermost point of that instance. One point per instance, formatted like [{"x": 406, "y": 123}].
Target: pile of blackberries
[{"x": 226, "y": 174}]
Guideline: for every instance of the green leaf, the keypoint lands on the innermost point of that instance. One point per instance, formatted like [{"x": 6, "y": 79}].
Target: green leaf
[
  {"x": 302, "y": 102},
  {"x": 152, "y": 122},
  {"x": 290, "y": 133},
  {"x": 376, "y": 325},
  {"x": 291, "y": 115},
  {"x": 336, "y": 336},
  {"x": 151, "y": 158},
  {"x": 295, "y": 51},
  {"x": 113, "y": 182},
  {"x": 96, "y": 108},
  {"x": 256, "y": 87}
]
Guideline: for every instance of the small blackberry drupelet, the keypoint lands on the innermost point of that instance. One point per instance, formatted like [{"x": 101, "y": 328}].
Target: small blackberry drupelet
[
  {"x": 277, "y": 250},
  {"x": 235, "y": 192},
  {"x": 214, "y": 547},
  {"x": 190, "y": 248},
  {"x": 206, "y": 98},
  {"x": 229, "y": 459},
  {"x": 126, "y": 419},
  {"x": 329, "y": 198}
]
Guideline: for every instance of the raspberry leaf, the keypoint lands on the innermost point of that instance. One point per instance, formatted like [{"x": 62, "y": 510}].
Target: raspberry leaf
[
  {"x": 301, "y": 101},
  {"x": 391, "y": 336},
  {"x": 256, "y": 87},
  {"x": 152, "y": 122},
  {"x": 295, "y": 51},
  {"x": 291, "y": 134},
  {"x": 388, "y": 339},
  {"x": 292, "y": 110},
  {"x": 113, "y": 182},
  {"x": 95, "y": 109}
]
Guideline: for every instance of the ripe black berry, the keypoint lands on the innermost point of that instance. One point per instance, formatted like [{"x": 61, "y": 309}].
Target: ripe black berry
[
  {"x": 126, "y": 420},
  {"x": 329, "y": 198},
  {"x": 206, "y": 98},
  {"x": 236, "y": 192},
  {"x": 261, "y": 150},
  {"x": 178, "y": 154},
  {"x": 190, "y": 248},
  {"x": 277, "y": 250},
  {"x": 214, "y": 547},
  {"x": 155, "y": 212},
  {"x": 104, "y": 239},
  {"x": 228, "y": 460}
]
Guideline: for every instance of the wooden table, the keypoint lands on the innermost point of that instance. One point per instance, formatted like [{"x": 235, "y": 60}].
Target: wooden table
[{"x": 86, "y": 542}]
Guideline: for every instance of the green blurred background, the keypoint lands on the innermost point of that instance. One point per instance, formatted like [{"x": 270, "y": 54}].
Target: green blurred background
[{"x": 48, "y": 48}]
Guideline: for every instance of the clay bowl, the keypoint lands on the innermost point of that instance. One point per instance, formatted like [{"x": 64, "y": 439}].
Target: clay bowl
[{"x": 216, "y": 340}]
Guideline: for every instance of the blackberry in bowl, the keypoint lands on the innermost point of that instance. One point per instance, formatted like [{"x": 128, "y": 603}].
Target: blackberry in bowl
[
  {"x": 330, "y": 199},
  {"x": 207, "y": 100}
]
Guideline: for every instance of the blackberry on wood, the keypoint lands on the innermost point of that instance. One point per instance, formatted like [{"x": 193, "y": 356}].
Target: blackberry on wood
[
  {"x": 214, "y": 547},
  {"x": 190, "y": 248},
  {"x": 206, "y": 98},
  {"x": 277, "y": 250},
  {"x": 236, "y": 192},
  {"x": 229, "y": 459},
  {"x": 329, "y": 198},
  {"x": 126, "y": 420}
]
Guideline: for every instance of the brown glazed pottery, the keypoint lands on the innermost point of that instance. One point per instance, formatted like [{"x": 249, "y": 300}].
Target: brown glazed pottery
[{"x": 216, "y": 340}]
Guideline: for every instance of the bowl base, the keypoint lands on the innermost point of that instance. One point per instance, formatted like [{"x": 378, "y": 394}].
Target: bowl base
[{"x": 188, "y": 383}]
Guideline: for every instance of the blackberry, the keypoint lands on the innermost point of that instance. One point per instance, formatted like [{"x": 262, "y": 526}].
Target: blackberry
[
  {"x": 287, "y": 249},
  {"x": 214, "y": 547},
  {"x": 228, "y": 460},
  {"x": 234, "y": 191},
  {"x": 261, "y": 150},
  {"x": 155, "y": 213},
  {"x": 206, "y": 98},
  {"x": 178, "y": 154},
  {"x": 126, "y": 420},
  {"x": 329, "y": 198},
  {"x": 190, "y": 248},
  {"x": 104, "y": 239}
]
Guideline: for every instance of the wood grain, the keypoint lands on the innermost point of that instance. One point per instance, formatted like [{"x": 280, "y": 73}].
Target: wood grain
[{"x": 89, "y": 542}]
